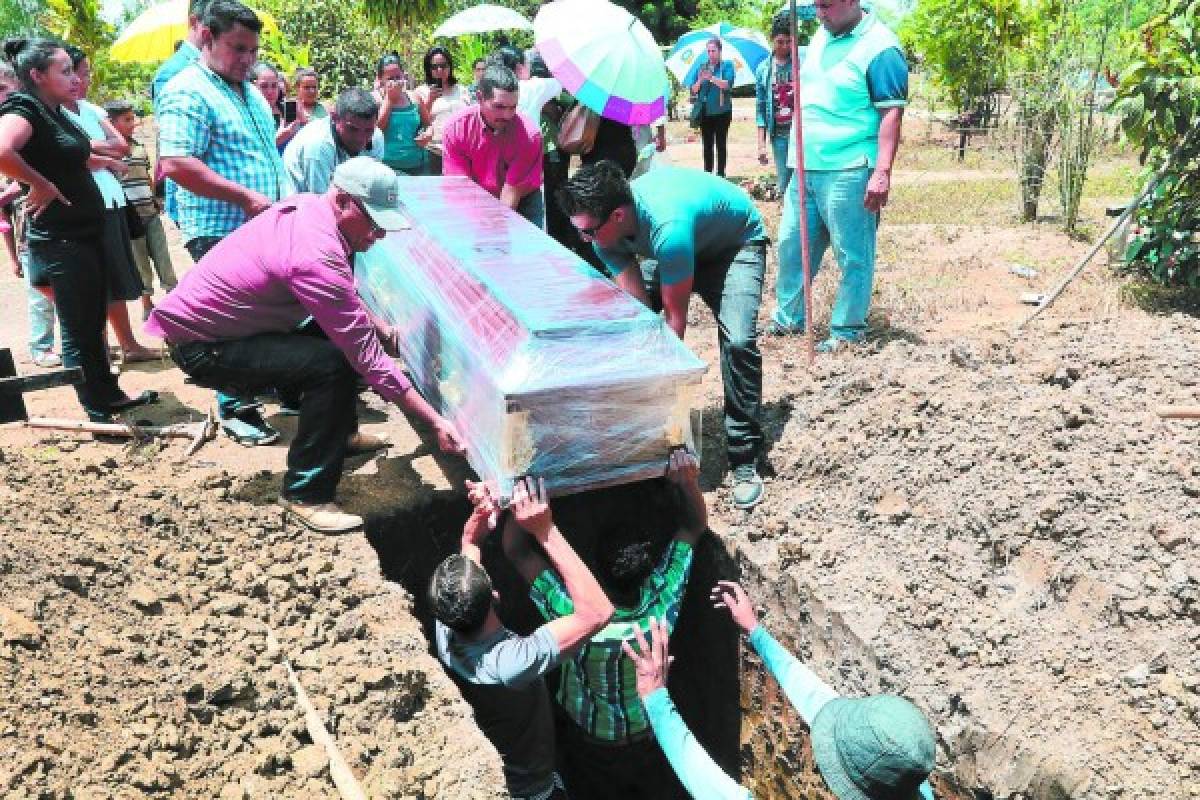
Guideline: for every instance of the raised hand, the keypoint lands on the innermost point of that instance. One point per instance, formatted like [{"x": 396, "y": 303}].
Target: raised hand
[
  {"x": 449, "y": 439},
  {"x": 683, "y": 468},
  {"x": 483, "y": 514},
  {"x": 651, "y": 661},
  {"x": 531, "y": 507},
  {"x": 729, "y": 595}
]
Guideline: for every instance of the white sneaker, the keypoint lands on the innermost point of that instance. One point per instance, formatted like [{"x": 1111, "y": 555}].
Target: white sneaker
[{"x": 46, "y": 359}]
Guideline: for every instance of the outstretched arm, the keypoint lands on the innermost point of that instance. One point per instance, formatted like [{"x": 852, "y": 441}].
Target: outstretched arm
[
  {"x": 522, "y": 552},
  {"x": 683, "y": 474},
  {"x": 698, "y": 773},
  {"x": 591, "y": 607},
  {"x": 804, "y": 690}
]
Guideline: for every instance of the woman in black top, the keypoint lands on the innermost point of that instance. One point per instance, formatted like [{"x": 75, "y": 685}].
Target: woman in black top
[{"x": 44, "y": 150}]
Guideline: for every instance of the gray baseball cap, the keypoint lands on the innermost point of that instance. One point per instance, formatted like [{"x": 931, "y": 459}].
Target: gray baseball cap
[{"x": 376, "y": 186}]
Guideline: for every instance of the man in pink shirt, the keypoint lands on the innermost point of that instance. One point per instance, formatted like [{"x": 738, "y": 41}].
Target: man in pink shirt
[
  {"x": 235, "y": 323},
  {"x": 498, "y": 147}
]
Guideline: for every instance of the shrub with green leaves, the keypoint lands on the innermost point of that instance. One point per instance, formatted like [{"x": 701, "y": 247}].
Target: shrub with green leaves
[
  {"x": 1159, "y": 101},
  {"x": 962, "y": 45}
]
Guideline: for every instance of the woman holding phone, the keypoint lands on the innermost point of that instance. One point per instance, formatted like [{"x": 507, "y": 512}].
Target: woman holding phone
[
  {"x": 711, "y": 89},
  {"x": 438, "y": 98},
  {"x": 270, "y": 83},
  {"x": 404, "y": 132}
]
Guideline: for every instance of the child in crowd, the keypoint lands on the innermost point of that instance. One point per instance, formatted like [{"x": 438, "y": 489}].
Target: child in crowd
[{"x": 146, "y": 232}]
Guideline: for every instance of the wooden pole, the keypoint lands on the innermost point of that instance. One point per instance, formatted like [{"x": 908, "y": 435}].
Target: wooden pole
[
  {"x": 131, "y": 431},
  {"x": 798, "y": 181},
  {"x": 1178, "y": 412}
]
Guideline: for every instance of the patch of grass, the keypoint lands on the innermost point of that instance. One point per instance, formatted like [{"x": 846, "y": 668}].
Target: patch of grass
[
  {"x": 968, "y": 202},
  {"x": 1120, "y": 179},
  {"x": 1155, "y": 299}
]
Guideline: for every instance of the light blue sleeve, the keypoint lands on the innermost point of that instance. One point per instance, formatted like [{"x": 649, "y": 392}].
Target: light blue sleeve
[
  {"x": 698, "y": 773},
  {"x": 803, "y": 688},
  {"x": 761, "y": 89},
  {"x": 184, "y": 125}
]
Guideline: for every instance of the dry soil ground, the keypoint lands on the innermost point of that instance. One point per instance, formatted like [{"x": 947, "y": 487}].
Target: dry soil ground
[{"x": 1000, "y": 528}]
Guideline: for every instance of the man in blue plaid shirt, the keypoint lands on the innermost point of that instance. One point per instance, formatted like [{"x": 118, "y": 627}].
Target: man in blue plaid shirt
[
  {"x": 216, "y": 140},
  {"x": 610, "y": 749}
]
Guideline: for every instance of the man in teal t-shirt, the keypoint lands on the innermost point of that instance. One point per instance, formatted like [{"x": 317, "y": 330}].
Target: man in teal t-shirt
[
  {"x": 694, "y": 232},
  {"x": 853, "y": 89}
]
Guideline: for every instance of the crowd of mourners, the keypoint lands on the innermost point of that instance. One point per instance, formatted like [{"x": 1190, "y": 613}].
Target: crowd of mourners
[{"x": 273, "y": 193}]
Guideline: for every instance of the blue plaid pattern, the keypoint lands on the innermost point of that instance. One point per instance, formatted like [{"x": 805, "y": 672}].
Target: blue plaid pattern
[
  {"x": 200, "y": 115},
  {"x": 186, "y": 55}
]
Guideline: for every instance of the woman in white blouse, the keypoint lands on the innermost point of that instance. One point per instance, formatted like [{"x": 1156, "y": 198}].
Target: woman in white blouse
[{"x": 438, "y": 98}]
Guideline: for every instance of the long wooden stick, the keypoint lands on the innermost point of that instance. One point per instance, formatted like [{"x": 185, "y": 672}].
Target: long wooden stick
[
  {"x": 801, "y": 189},
  {"x": 187, "y": 431},
  {"x": 1178, "y": 412}
]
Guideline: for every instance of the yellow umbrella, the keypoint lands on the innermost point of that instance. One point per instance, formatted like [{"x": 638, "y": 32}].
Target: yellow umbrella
[{"x": 153, "y": 35}]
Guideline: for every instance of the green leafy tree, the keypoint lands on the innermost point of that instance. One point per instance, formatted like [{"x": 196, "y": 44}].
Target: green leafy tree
[
  {"x": 334, "y": 38},
  {"x": 1159, "y": 100},
  {"x": 19, "y": 17},
  {"x": 666, "y": 20},
  {"x": 963, "y": 46}
]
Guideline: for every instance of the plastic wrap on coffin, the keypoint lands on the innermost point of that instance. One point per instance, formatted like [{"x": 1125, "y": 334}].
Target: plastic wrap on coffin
[{"x": 544, "y": 365}]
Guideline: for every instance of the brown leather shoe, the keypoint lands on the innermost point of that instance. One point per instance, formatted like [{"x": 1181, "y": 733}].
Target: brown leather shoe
[
  {"x": 360, "y": 443},
  {"x": 322, "y": 517}
]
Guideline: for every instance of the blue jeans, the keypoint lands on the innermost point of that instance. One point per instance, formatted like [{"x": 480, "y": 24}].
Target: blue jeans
[
  {"x": 833, "y": 201},
  {"x": 77, "y": 273},
  {"x": 41, "y": 315},
  {"x": 309, "y": 367},
  {"x": 779, "y": 149},
  {"x": 732, "y": 287}
]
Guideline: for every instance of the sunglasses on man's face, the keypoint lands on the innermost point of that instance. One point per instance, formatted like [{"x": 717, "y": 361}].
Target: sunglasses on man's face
[{"x": 591, "y": 232}]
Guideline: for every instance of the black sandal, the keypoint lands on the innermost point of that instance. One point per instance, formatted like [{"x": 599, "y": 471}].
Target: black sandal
[{"x": 146, "y": 398}]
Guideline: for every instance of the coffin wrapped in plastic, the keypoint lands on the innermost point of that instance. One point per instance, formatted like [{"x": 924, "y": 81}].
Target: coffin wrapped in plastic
[{"x": 545, "y": 366}]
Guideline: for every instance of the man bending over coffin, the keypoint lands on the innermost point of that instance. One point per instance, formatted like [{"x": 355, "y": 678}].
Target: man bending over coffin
[
  {"x": 499, "y": 672},
  {"x": 232, "y": 324},
  {"x": 610, "y": 749},
  {"x": 695, "y": 232}
]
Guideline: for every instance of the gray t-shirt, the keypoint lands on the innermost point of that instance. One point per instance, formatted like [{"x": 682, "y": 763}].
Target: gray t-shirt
[{"x": 501, "y": 677}]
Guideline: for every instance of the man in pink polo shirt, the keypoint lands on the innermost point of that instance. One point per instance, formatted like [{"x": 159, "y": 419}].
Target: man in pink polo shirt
[
  {"x": 235, "y": 323},
  {"x": 498, "y": 147}
]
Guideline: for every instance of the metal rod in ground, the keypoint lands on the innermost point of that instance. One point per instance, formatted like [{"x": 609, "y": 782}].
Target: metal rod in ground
[
  {"x": 799, "y": 182},
  {"x": 1129, "y": 209}
]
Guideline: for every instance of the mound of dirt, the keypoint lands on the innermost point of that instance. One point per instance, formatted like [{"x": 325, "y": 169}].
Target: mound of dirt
[
  {"x": 1011, "y": 532},
  {"x": 147, "y": 621}
]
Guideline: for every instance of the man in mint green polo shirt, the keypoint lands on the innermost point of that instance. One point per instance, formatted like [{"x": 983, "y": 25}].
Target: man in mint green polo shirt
[
  {"x": 853, "y": 90},
  {"x": 694, "y": 232}
]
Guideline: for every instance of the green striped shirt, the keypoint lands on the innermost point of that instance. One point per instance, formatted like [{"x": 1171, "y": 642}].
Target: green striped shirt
[{"x": 598, "y": 689}]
